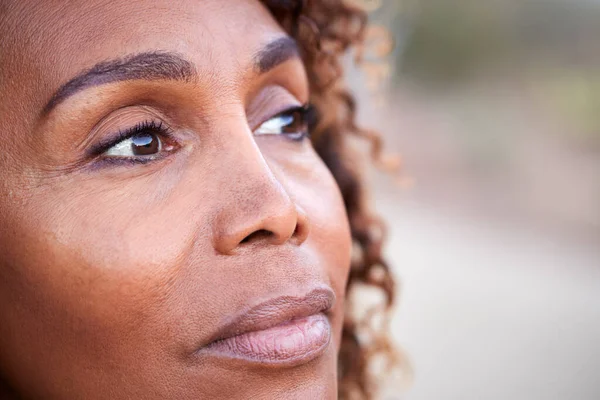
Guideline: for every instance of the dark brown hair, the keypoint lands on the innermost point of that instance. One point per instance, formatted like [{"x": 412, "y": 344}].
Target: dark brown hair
[{"x": 325, "y": 30}]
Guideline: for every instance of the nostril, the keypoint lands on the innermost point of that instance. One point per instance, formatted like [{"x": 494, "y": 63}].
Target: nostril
[
  {"x": 257, "y": 235},
  {"x": 297, "y": 230}
]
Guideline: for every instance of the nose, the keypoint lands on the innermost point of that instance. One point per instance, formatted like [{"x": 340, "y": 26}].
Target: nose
[{"x": 256, "y": 208}]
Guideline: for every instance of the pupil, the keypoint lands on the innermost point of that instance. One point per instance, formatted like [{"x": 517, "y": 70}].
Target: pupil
[
  {"x": 145, "y": 144},
  {"x": 293, "y": 123}
]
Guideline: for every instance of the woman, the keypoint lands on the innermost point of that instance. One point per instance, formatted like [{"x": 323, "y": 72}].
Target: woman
[{"x": 178, "y": 211}]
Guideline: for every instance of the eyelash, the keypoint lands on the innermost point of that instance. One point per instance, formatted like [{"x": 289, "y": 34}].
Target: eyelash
[
  {"x": 158, "y": 128},
  {"x": 306, "y": 112},
  {"x": 308, "y": 118}
]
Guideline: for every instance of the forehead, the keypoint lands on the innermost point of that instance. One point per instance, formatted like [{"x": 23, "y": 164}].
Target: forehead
[
  {"x": 49, "y": 42},
  {"x": 106, "y": 25}
]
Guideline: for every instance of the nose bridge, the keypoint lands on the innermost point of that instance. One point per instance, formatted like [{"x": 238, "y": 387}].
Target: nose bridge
[{"x": 254, "y": 204}]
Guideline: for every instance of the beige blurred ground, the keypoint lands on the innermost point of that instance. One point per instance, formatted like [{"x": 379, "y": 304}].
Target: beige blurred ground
[{"x": 495, "y": 225}]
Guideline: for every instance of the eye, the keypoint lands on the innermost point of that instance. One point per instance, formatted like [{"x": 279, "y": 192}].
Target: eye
[
  {"x": 294, "y": 123},
  {"x": 143, "y": 142}
]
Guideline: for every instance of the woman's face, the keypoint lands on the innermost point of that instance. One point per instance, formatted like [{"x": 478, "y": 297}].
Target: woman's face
[{"x": 166, "y": 228}]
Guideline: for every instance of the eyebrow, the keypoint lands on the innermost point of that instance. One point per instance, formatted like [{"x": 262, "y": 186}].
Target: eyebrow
[
  {"x": 159, "y": 65},
  {"x": 144, "y": 66},
  {"x": 276, "y": 52}
]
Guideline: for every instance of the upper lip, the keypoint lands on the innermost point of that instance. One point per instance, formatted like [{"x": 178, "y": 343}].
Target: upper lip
[{"x": 275, "y": 312}]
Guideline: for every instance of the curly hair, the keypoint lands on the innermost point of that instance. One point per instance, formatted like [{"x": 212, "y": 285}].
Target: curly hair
[{"x": 325, "y": 30}]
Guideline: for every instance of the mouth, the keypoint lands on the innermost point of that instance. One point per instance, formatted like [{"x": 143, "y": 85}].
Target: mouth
[{"x": 285, "y": 331}]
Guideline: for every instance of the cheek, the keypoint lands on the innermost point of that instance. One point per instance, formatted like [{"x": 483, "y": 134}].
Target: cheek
[
  {"x": 330, "y": 231},
  {"x": 91, "y": 292},
  {"x": 120, "y": 251},
  {"x": 318, "y": 194},
  {"x": 94, "y": 274}
]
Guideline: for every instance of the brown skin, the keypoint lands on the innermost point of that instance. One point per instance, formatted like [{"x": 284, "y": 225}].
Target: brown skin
[{"x": 112, "y": 276}]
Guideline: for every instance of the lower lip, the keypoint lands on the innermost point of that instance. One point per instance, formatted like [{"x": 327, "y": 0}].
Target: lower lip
[{"x": 292, "y": 343}]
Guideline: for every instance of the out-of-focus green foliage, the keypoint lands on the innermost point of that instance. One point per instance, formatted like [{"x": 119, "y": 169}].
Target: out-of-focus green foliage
[
  {"x": 553, "y": 45},
  {"x": 451, "y": 38},
  {"x": 577, "y": 96}
]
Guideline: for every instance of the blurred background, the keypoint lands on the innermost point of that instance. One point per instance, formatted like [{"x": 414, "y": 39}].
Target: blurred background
[{"x": 494, "y": 109}]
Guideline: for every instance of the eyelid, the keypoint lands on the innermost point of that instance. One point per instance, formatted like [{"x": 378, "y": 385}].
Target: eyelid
[
  {"x": 286, "y": 112},
  {"x": 112, "y": 121},
  {"x": 306, "y": 111},
  {"x": 159, "y": 127}
]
